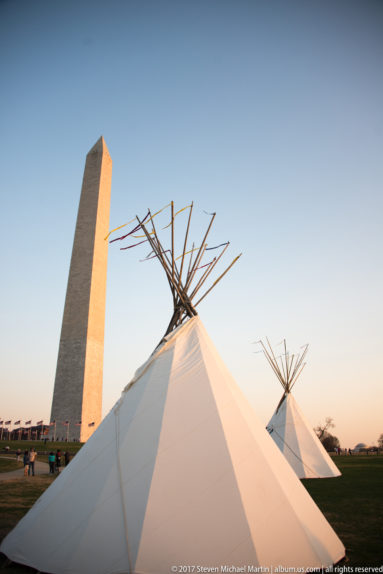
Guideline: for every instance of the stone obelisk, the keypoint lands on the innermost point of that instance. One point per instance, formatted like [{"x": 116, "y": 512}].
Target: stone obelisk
[{"x": 77, "y": 397}]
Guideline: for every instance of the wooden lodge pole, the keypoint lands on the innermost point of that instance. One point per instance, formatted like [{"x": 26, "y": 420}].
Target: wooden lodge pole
[
  {"x": 197, "y": 259},
  {"x": 207, "y": 272},
  {"x": 219, "y": 279},
  {"x": 185, "y": 244}
]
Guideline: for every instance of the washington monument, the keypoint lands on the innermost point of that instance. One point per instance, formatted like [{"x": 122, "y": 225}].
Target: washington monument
[{"x": 77, "y": 396}]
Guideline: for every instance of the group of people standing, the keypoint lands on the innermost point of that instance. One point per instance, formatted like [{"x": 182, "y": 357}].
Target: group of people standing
[
  {"x": 54, "y": 460},
  {"x": 29, "y": 460}
]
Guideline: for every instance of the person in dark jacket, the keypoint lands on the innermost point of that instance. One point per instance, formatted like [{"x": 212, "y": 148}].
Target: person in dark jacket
[
  {"x": 58, "y": 460},
  {"x": 51, "y": 460},
  {"x": 26, "y": 462},
  {"x": 32, "y": 460}
]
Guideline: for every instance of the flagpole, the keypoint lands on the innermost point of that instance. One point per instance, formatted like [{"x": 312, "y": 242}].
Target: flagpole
[{"x": 7, "y": 423}]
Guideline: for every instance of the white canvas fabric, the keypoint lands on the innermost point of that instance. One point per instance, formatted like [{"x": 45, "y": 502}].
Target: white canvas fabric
[
  {"x": 180, "y": 472},
  {"x": 296, "y": 439}
]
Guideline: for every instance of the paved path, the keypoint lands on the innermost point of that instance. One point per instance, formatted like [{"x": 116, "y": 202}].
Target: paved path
[{"x": 40, "y": 468}]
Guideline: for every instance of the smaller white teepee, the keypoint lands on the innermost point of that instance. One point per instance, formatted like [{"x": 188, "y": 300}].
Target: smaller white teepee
[{"x": 288, "y": 426}]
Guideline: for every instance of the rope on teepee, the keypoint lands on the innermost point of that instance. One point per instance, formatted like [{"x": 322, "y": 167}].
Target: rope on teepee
[
  {"x": 119, "y": 472},
  {"x": 271, "y": 430}
]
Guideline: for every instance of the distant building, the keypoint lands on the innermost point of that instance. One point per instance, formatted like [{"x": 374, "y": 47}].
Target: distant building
[{"x": 361, "y": 446}]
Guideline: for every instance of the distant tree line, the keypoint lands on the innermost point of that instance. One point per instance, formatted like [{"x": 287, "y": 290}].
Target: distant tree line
[{"x": 329, "y": 441}]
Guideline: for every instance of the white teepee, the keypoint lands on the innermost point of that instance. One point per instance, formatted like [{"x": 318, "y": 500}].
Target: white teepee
[
  {"x": 289, "y": 428},
  {"x": 180, "y": 472}
]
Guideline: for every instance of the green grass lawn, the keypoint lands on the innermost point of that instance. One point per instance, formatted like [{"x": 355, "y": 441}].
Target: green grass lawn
[
  {"x": 3, "y": 457},
  {"x": 7, "y": 465},
  {"x": 17, "y": 496},
  {"x": 39, "y": 446},
  {"x": 352, "y": 503}
]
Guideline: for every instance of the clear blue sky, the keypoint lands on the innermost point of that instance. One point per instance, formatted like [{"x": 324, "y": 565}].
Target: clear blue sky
[{"x": 268, "y": 112}]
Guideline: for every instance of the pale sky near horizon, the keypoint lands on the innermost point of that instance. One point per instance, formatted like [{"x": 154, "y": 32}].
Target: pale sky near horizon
[{"x": 267, "y": 112}]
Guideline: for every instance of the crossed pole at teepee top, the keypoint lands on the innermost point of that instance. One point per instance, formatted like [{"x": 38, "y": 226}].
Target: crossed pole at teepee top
[
  {"x": 182, "y": 279},
  {"x": 182, "y": 289},
  {"x": 289, "y": 367}
]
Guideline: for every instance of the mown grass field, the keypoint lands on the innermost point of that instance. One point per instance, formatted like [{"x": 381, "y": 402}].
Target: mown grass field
[
  {"x": 40, "y": 446},
  {"x": 352, "y": 503},
  {"x": 7, "y": 464}
]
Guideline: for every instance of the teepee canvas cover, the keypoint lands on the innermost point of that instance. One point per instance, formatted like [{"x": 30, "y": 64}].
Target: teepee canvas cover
[
  {"x": 289, "y": 428},
  {"x": 296, "y": 439},
  {"x": 180, "y": 472}
]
